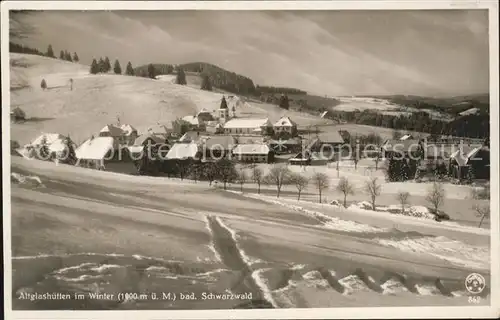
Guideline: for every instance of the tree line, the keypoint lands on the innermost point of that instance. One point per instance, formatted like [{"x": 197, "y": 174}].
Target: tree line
[
  {"x": 278, "y": 90},
  {"x": 476, "y": 126},
  {"x": 104, "y": 66},
  {"x": 63, "y": 55}
]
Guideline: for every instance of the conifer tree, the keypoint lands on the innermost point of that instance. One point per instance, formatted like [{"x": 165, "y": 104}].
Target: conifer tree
[
  {"x": 61, "y": 55},
  {"x": 129, "y": 71},
  {"x": 206, "y": 84},
  {"x": 107, "y": 65},
  {"x": 43, "y": 84},
  {"x": 117, "y": 68},
  {"x": 67, "y": 56},
  {"x": 181, "y": 77},
  {"x": 101, "y": 65},
  {"x": 94, "y": 67},
  {"x": 75, "y": 57},
  {"x": 223, "y": 103},
  {"x": 50, "y": 52},
  {"x": 151, "y": 71}
]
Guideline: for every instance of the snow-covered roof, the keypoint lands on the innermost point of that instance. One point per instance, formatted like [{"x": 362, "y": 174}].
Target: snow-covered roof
[
  {"x": 469, "y": 111},
  {"x": 285, "y": 122},
  {"x": 220, "y": 142},
  {"x": 251, "y": 149},
  {"x": 143, "y": 137},
  {"x": 323, "y": 114},
  {"x": 113, "y": 130},
  {"x": 183, "y": 151},
  {"x": 192, "y": 136},
  {"x": 204, "y": 110},
  {"x": 192, "y": 120},
  {"x": 50, "y": 138},
  {"x": 238, "y": 123},
  {"x": 128, "y": 129},
  {"x": 158, "y": 129},
  {"x": 406, "y": 137},
  {"x": 94, "y": 149}
]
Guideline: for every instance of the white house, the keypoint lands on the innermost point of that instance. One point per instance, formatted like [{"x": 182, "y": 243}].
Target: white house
[
  {"x": 253, "y": 153},
  {"x": 184, "y": 151},
  {"x": 285, "y": 125},
  {"x": 95, "y": 150},
  {"x": 247, "y": 126}
]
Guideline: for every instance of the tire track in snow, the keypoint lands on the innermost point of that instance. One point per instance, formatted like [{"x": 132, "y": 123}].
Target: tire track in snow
[{"x": 226, "y": 244}]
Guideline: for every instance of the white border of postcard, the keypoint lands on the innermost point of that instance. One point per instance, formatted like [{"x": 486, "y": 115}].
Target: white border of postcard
[{"x": 492, "y": 311}]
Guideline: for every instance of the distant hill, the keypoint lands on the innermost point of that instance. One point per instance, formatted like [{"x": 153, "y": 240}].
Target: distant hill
[
  {"x": 450, "y": 105},
  {"x": 220, "y": 78}
]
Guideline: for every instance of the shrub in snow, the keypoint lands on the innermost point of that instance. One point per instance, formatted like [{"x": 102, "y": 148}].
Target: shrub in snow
[
  {"x": 335, "y": 203},
  {"x": 43, "y": 84}
]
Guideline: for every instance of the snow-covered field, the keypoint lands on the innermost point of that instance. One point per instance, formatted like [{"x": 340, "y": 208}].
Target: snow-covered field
[
  {"x": 383, "y": 106},
  {"x": 97, "y": 100},
  {"x": 93, "y": 231}
]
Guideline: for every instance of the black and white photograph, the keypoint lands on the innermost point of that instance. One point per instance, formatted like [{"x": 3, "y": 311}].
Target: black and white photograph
[{"x": 199, "y": 157}]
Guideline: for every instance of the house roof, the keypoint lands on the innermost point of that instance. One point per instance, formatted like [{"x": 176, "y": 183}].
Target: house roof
[
  {"x": 401, "y": 145},
  {"x": 406, "y": 137},
  {"x": 193, "y": 120},
  {"x": 323, "y": 114},
  {"x": 464, "y": 153},
  {"x": 469, "y": 111},
  {"x": 204, "y": 110},
  {"x": 183, "y": 151},
  {"x": 285, "y": 122},
  {"x": 330, "y": 137},
  {"x": 128, "y": 129},
  {"x": 220, "y": 142},
  {"x": 50, "y": 138},
  {"x": 247, "y": 123},
  {"x": 94, "y": 149},
  {"x": 251, "y": 149},
  {"x": 158, "y": 129},
  {"x": 113, "y": 130},
  {"x": 192, "y": 136},
  {"x": 143, "y": 137}
]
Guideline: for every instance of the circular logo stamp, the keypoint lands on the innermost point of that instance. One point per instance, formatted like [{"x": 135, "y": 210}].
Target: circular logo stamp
[{"x": 475, "y": 283}]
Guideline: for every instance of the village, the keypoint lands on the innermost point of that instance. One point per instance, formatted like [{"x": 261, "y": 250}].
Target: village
[{"x": 218, "y": 146}]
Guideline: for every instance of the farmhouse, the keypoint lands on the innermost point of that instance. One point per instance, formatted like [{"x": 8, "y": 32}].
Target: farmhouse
[
  {"x": 285, "y": 146},
  {"x": 216, "y": 147},
  {"x": 147, "y": 140},
  {"x": 114, "y": 132},
  {"x": 194, "y": 122},
  {"x": 253, "y": 153},
  {"x": 95, "y": 151},
  {"x": 54, "y": 141},
  {"x": 326, "y": 143},
  {"x": 402, "y": 148},
  {"x": 204, "y": 115},
  {"x": 248, "y": 126},
  {"x": 307, "y": 157},
  {"x": 470, "y": 160},
  {"x": 285, "y": 126},
  {"x": 130, "y": 133},
  {"x": 184, "y": 151}
]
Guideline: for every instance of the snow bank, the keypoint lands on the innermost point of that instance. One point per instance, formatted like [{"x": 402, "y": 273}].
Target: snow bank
[
  {"x": 413, "y": 211},
  {"x": 453, "y": 251},
  {"x": 20, "y": 179},
  {"x": 327, "y": 221}
]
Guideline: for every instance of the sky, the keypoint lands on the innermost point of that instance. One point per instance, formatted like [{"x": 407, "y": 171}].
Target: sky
[{"x": 429, "y": 52}]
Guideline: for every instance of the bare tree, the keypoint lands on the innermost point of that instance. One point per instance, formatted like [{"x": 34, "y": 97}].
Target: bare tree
[
  {"x": 346, "y": 188},
  {"x": 377, "y": 160},
  {"x": 435, "y": 196},
  {"x": 242, "y": 178},
  {"x": 321, "y": 181},
  {"x": 210, "y": 172},
  {"x": 278, "y": 176},
  {"x": 403, "y": 199},
  {"x": 482, "y": 205},
  {"x": 373, "y": 187},
  {"x": 226, "y": 171},
  {"x": 300, "y": 183},
  {"x": 257, "y": 176}
]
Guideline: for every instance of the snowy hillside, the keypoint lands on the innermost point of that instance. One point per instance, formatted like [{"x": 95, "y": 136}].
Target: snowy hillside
[{"x": 97, "y": 100}]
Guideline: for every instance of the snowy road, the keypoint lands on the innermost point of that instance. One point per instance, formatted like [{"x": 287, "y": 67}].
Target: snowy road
[{"x": 139, "y": 234}]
